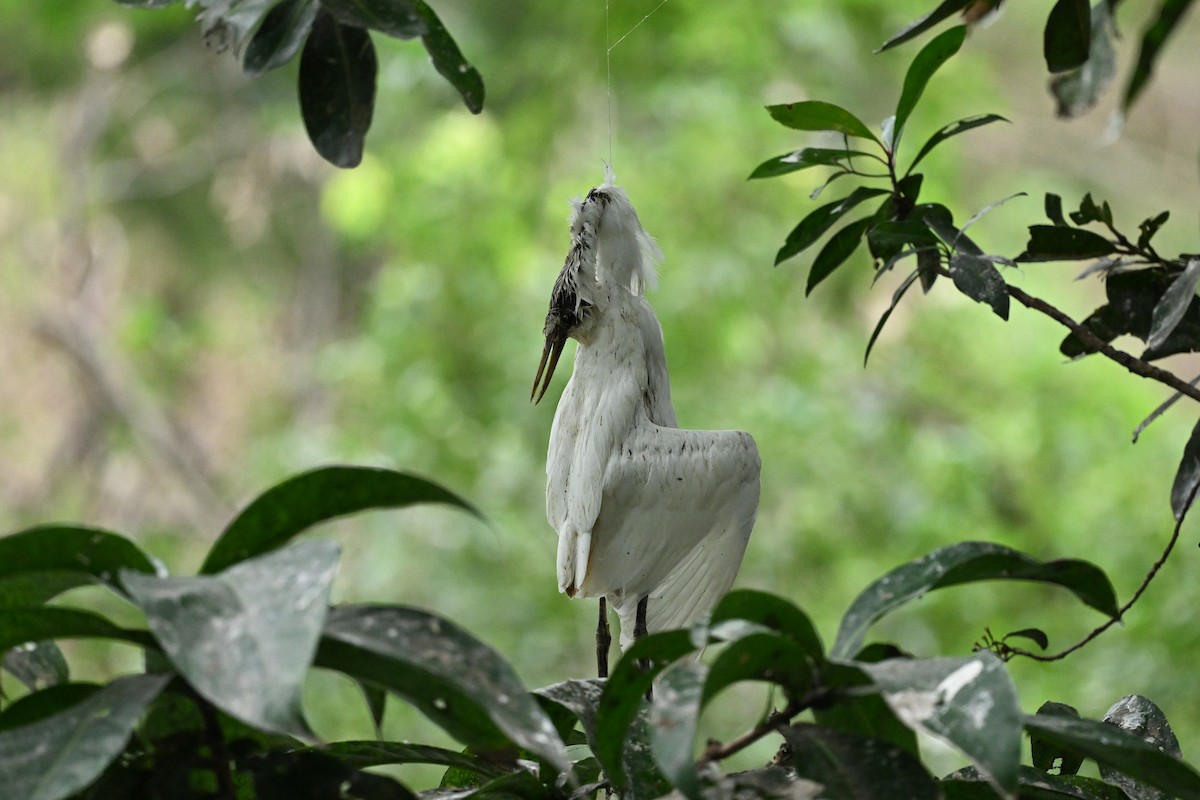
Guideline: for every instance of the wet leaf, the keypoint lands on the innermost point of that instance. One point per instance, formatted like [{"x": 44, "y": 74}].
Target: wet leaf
[
  {"x": 1078, "y": 90},
  {"x": 848, "y": 765},
  {"x": 944, "y": 10},
  {"x": 288, "y": 509},
  {"x": 1169, "y": 311},
  {"x": 450, "y": 676},
  {"x": 1141, "y": 717},
  {"x": 836, "y": 251},
  {"x": 58, "y": 755},
  {"x": 280, "y": 36},
  {"x": 448, "y": 60},
  {"x": 813, "y": 226},
  {"x": 927, "y": 62},
  {"x": 1170, "y": 13},
  {"x": 21, "y": 625},
  {"x": 37, "y": 664},
  {"x": 977, "y": 278},
  {"x": 337, "y": 89},
  {"x": 1187, "y": 477},
  {"x": 816, "y": 115},
  {"x": 966, "y": 562},
  {"x": 1058, "y": 243},
  {"x": 953, "y": 129},
  {"x": 970, "y": 703},
  {"x": 244, "y": 639},
  {"x": 806, "y": 158},
  {"x": 1111, "y": 747}
]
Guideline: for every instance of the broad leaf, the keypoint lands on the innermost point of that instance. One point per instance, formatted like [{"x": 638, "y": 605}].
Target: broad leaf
[
  {"x": 848, "y": 765},
  {"x": 944, "y": 10},
  {"x": 803, "y": 159},
  {"x": 836, "y": 251},
  {"x": 244, "y": 639},
  {"x": 927, "y": 62},
  {"x": 280, "y": 36},
  {"x": 1141, "y": 717},
  {"x": 1068, "y": 34},
  {"x": 1111, "y": 747},
  {"x": 312, "y": 773},
  {"x": 1078, "y": 90},
  {"x": 337, "y": 89},
  {"x": 40, "y": 623},
  {"x": 1174, "y": 304},
  {"x": 1048, "y": 755},
  {"x": 977, "y": 278},
  {"x": 1187, "y": 476},
  {"x": 44, "y": 703},
  {"x": 816, "y": 115},
  {"x": 889, "y": 238},
  {"x": 772, "y": 612},
  {"x": 362, "y": 755},
  {"x": 448, "y": 60},
  {"x": 970, "y": 703},
  {"x": 969, "y": 784},
  {"x": 953, "y": 129},
  {"x": 674, "y": 716},
  {"x": 813, "y": 226},
  {"x": 1058, "y": 243},
  {"x": 60, "y": 557},
  {"x": 765, "y": 656},
  {"x": 37, "y": 664},
  {"x": 399, "y": 18},
  {"x": 1170, "y": 13},
  {"x": 291, "y": 507},
  {"x": 579, "y": 697},
  {"x": 61, "y": 754},
  {"x": 855, "y": 709},
  {"x": 966, "y": 562},
  {"x": 454, "y": 679}
]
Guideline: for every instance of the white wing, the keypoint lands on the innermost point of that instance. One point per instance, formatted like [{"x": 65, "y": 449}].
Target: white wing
[{"x": 676, "y": 513}]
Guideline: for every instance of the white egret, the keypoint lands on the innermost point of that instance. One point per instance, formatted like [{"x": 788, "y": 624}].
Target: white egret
[{"x": 651, "y": 518}]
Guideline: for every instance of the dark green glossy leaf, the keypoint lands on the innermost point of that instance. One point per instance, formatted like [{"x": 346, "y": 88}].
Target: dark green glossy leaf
[
  {"x": 772, "y": 612},
  {"x": 816, "y": 115},
  {"x": 624, "y": 694},
  {"x": 953, "y": 129},
  {"x": 1078, "y": 90},
  {"x": 813, "y": 226},
  {"x": 977, "y": 278},
  {"x": 579, "y": 697},
  {"x": 1035, "y": 635},
  {"x": 1113, "y": 748},
  {"x": 674, "y": 716},
  {"x": 1058, "y": 243},
  {"x": 44, "y": 703},
  {"x": 60, "y": 557},
  {"x": 21, "y": 625},
  {"x": 37, "y": 664},
  {"x": 337, "y": 89},
  {"x": 280, "y": 36},
  {"x": 244, "y": 639},
  {"x": 803, "y": 159},
  {"x": 1149, "y": 227},
  {"x": 310, "y": 773},
  {"x": 928, "y": 262},
  {"x": 1187, "y": 477},
  {"x": 1169, "y": 311},
  {"x": 927, "y": 62},
  {"x": 1140, "y": 717},
  {"x": 836, "y": 251},
  {"x": 944, "y": 10},
  {"x": 848, "y": 765},
  {"x": 765, "y": 656},
  {"x": 1170, "y": 13},
  {"x": 889, "y": 238},
  {"x": 815, "y": 193},
  {"x": 854, "y": 710},
  {"x": 967, "y": 562},
  {"x": 448, "y": 60},
  {"x": 897, "y": 296},
  {"x": 1067, "y": 37},
  {"x": 58, "y": 755},
  {"x": 1132, "y": 296},
  {"x": 399, "y": 18},
  {"x": 361, "y": 755},
  {"x": 969, "y": 784},
  {"x": 457, "y": 681},
  {"x": 1048, "y": 755},
  {"x": 291, "y": 507},
  {"x": 376, "y": 698},
  {"x": 1054, "y": 209},
  {"x": 970, "y": 703}
]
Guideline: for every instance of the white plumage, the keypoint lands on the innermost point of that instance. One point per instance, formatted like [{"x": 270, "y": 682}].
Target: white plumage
[{"x": 641, "y": 507}]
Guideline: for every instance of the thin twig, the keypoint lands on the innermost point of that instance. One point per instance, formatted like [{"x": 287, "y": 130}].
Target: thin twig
[{"x": 716, "y": 751}]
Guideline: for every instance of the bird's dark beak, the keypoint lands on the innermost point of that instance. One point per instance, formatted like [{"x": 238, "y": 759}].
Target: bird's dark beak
[{"x": 556, "y": 340}]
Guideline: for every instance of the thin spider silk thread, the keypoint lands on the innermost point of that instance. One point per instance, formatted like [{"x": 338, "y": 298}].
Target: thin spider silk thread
[{"x": 609, "y": 46}]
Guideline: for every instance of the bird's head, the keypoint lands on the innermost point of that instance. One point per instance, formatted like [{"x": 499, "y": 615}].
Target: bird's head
[{"x": 609, "y": 249}]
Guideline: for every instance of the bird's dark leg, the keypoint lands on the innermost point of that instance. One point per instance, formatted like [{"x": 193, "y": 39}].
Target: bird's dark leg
[
  {"x": 603, "y": 640},
  {"x": 639, "y": 631}
]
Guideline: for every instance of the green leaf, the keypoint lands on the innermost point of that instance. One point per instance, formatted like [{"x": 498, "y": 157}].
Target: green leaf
[
  {"x": 967, "y": 562},
  {"x": 291, "y": 507},
  {"x": 927, "y": 62},
  {"x": 969, "y": 784},
  {"x": 816, "y": 115},
  {"x": 1187, "y": 477},
  {"x": 1149, "y": 227},
  {"x": 1170, "y": 13},
  {"x": 772, "y": 612},
  {"x": 60, "y": 557},
  {"x": 454, "y": 679},
  {"x": 674, "y": 718},
  {"x": 897, "y": 296},
  {"x": 1078, "y": 90},
  {"x": 361, "y": 755},
  {"x": 970, "y": 703},
  {"x": 337, "y": 89},
  {"x": 448, "y": 60},
  {"x": 315, "y": 774},
  {"x": 1113, "y": 748},
  {"x": 36, "y": 624},
  {"x": 945, "y": 9},
  {"x": 765, "y": 656},
  {"x": 1057, "y": 243},
  {"x": 1090, "y": 212},
  {"x": 244, "y": 639},
  {"x": 1140, "y": 717},
  {"x": 854, "y": 709},
  {"x": 1169, "y": 311},
  {"x": 848, "y": 765},
  {"x": 889, "y": 238},
  {"x": 280, "y": 36},
  {"x": 376, "y": 697},
  {"x": 808, "y": 157},
  {"x": 37, "y": 664},
  {"x": 399, "y": 18},
  {"x": 977, "y": 278},
  {"x": 1049, "y": 755},
  {"x": 1035, "y": 635},
  {"x": 835, "y": 252},
  {"x": 580, "y": 698},
  {"x": 953, "y": 129},
  {"x": 44, "y": 703},
  {"x": 813, "y": 226},
  {"x": 59, "y": 755},
  {"x": 1054, "y": 209},
  {"x": 1067, "y": 38}
]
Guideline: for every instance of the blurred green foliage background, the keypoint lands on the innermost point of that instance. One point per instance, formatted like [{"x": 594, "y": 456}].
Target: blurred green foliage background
[{"x": 194, "y": 305}]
